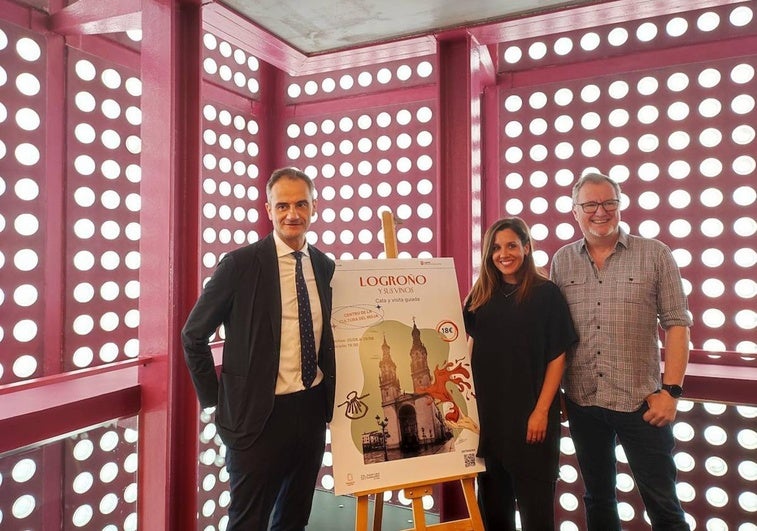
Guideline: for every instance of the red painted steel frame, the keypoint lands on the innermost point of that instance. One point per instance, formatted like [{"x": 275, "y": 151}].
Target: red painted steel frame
[
  {"x": 96, "y": 16},
  {"x": 460, "y": 137},
  {"x": 45, "y": 408},
  {"x": 171, "y": 78},
  {"x": 456, "y": 177}
]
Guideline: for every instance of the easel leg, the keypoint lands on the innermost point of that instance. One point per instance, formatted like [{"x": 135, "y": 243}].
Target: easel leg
[
  {"x": 361, "y": 513},
  {"x": 378, "y": 510},
  {"x": 469, "y": 491},
  {"x": 419, "y": 515}
]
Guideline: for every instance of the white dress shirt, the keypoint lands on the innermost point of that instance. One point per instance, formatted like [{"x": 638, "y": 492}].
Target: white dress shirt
[{"x": 289, "y": 379}]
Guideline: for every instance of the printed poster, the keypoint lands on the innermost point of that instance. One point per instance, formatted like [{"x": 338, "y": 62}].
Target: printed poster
[{"x": 405, "y": 408}]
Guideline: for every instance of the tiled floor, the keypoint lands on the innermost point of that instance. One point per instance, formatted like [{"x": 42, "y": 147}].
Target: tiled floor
[{"x": 337, "y": 513}]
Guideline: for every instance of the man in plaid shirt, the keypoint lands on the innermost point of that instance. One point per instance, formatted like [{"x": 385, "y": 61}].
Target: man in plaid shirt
[{"x": 621, "y": 289}]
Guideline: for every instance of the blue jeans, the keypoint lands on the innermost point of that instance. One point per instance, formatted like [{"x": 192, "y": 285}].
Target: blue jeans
[{"x": 649, "y": 451}]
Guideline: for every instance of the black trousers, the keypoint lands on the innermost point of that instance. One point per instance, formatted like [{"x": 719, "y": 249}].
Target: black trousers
[
  {"x": 278, "y": 473},
  {"x": 498, "y": 491}
]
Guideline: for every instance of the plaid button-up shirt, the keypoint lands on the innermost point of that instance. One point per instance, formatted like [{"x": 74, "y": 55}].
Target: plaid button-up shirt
[{"x": 616, "y": 311}]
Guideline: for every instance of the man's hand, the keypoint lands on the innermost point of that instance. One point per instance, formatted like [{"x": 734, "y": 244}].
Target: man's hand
[{"x": 662, "y": 409}]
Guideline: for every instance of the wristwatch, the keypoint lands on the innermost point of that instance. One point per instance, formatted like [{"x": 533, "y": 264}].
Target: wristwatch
[{"x": 676, "y": 391}]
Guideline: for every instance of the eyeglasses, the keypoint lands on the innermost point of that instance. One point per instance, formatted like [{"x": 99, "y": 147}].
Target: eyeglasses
[{"x": 590, "y": 207}]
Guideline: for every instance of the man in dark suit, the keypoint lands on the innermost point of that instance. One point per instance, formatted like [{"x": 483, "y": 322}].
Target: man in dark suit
[{"x": 272, "y": 405}]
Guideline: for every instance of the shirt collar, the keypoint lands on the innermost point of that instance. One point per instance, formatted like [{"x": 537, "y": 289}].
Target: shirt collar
[
  {"x": 282, "y": 249},
  {"x": 622, "y": 240}
]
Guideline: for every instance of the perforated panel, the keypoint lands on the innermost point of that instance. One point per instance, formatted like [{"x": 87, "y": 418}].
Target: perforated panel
[
  {"x": 231, "y": 185},
  {"x": 372, "y": 79},
  {"x": 364, "y": 162},
  {"x": 212, "y": 478},
  {"x": 715, "y": 457},
  {"x": 100, "y": 478},
  {"x": 21, "y": 487},
  {"x": 680, "y": 140},
  {"x": 677, "y": 131},
  {"x": 22, "y": 203},
  {"x": 625, "y": 38},
  {"x": 91, "y": 476},
  {"x": 103, "y": 204},
  {"x": 230, "y": 67}
]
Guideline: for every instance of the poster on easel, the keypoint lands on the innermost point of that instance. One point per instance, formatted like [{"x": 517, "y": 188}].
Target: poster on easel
[{"x": 405, "y": 409}]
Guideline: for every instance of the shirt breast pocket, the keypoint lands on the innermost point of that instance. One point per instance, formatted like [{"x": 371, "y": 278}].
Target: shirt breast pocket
[
  {"x": 635, "y": 289},
  {"x": 575, "y": 289}
]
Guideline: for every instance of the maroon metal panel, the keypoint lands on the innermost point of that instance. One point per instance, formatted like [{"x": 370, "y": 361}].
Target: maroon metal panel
[
  {"x": 575, "y": 19},
  {"x": 665, "y": 157},
  {"x": 720, "y": 382},
  {"x": 43, "y": 5},
  {"x": 483, "y": 129},
  {"x": 22, "y": 205},
  {"x": 491, "y": 185},
  {"x": 368, "y": 153},
  {"x": 457, "y": 182},
  {"x": 18, "y": 14},
  {"x": 230, "y": 67},
  {"x": 23, "y": 492},
  {"x": 232, "y": 199},
  {"x": 233, "y": 28},
  {"x": 99, "y": 486},
  {"x": 53, "y": 194},
  {"x": 102, "y": 212},
  {"x": 117, "y": 54},
  {"x": 238, "y": 138},
  {"x": 52, "y": 465},
  {"x": 85, "y": 481},
  {"x": 272, "y": 148},
  {"x": 169, "y": 188},
  {"x": 457, "y": 177},
  {"x": 400, "y": 76}
]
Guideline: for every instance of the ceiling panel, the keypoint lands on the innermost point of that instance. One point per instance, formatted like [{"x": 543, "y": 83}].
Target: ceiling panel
[{"x": 319, "y": 26}]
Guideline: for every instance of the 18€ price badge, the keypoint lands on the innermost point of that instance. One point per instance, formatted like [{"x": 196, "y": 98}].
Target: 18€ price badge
[{"x": 447, "y": 330}]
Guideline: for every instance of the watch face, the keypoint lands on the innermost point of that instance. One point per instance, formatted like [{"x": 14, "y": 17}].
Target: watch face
[{"x": 674, "y": 390}]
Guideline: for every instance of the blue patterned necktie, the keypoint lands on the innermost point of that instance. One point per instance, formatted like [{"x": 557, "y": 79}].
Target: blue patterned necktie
[{"x": 307, "y": 337}]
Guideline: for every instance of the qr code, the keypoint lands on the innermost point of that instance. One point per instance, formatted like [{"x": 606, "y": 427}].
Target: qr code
[{"x": 470, "y": 460}]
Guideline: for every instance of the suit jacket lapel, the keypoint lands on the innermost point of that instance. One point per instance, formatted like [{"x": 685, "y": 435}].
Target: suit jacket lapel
[{"x": 269, "y": 267}]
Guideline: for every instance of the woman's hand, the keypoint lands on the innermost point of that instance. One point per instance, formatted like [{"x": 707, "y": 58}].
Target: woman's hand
[{"x": 537, "y": 427}]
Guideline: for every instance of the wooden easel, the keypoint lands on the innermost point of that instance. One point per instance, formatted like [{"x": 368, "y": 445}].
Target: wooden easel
[{"x": 416, "y": 491}]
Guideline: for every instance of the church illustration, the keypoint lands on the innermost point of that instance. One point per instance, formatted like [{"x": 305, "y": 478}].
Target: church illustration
[{"x": 412, "y": 424}]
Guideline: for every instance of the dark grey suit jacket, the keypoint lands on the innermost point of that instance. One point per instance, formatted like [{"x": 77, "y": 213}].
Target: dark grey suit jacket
[{"x": 244, "y": 294}]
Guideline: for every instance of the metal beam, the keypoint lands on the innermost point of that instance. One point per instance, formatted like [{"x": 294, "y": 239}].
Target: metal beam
[
  {"x": 171, "y": 140},
  {"x": 50, "y": 408},
  {"x": 89, "y": 17}
]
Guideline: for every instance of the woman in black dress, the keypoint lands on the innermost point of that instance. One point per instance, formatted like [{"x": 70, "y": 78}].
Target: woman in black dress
[{"x": 520, "y": 328}]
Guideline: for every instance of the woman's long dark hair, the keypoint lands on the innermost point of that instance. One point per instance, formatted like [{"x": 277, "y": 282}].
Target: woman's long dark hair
[{"x": 490, "y": 279}]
